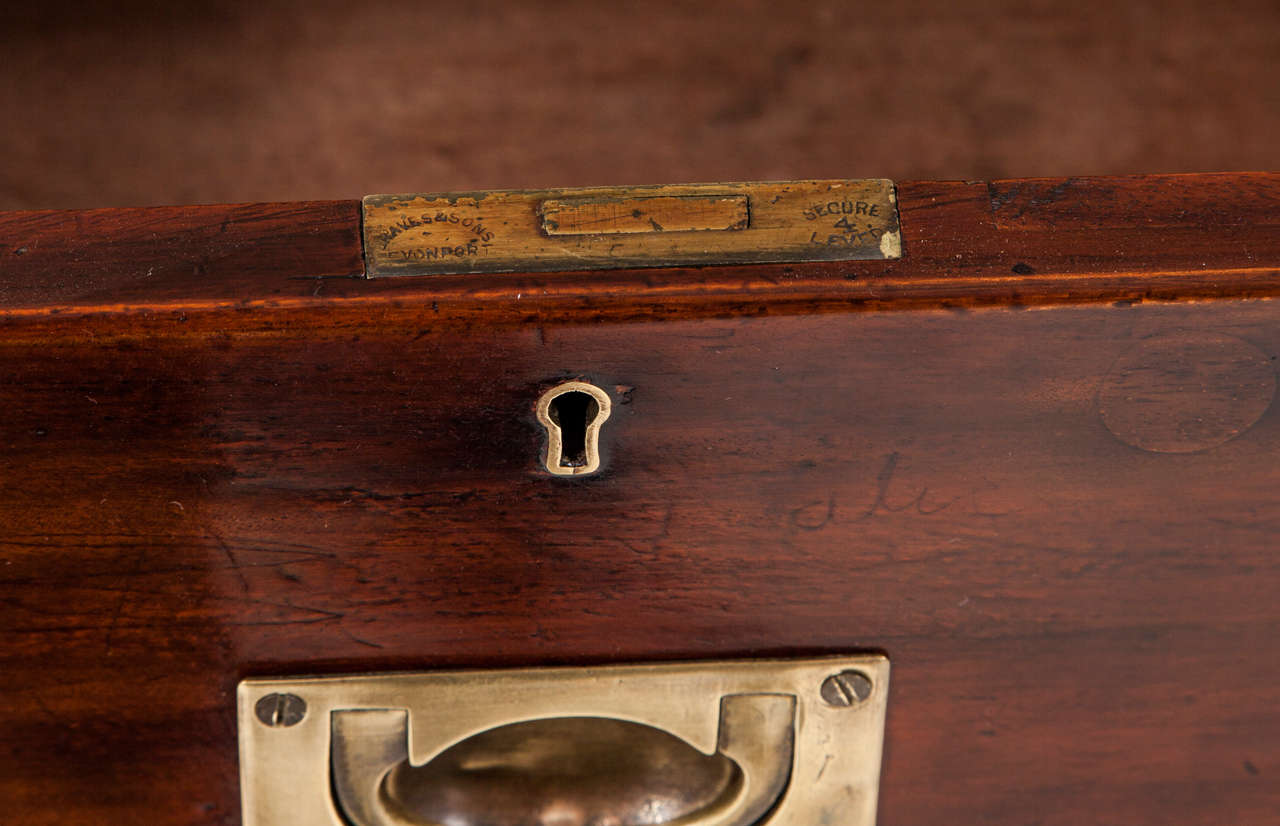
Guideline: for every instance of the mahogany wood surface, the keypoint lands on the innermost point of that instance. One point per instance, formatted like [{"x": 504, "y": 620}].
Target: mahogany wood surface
[
  {"x": 1059, "y": 520},
  {"x": 67, "y": 258}
]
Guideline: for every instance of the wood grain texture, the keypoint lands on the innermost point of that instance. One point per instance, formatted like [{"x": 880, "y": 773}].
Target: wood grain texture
[
  {"x": 1082, "y": 625},
  {"x": 59, "y": 259}
]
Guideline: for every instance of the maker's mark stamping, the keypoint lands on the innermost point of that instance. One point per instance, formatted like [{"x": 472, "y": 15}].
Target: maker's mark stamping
[{"x": 619, "y": 227}]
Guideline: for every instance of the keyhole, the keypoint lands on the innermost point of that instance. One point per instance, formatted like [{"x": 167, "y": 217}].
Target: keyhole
[
  {"x": 572, "y": 414},
  {"x": 572, "y": 411}
]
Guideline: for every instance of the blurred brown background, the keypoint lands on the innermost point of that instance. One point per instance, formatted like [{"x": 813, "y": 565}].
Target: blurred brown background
[{"x": 145, "y": 103}]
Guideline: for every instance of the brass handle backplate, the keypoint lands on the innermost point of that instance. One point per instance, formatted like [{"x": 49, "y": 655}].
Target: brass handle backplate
[{"x": 695, "y": 744}]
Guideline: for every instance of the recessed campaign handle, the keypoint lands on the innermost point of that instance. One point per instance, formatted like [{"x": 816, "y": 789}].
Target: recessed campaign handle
[{"x": 567, "y": 770}]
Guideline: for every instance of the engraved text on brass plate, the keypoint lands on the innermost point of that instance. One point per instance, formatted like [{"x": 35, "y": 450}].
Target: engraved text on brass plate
[{"x": 616, "y": 227}]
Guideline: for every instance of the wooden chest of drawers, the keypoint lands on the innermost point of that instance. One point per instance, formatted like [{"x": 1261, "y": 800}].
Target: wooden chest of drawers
[{"x": 1034, "y": 461}]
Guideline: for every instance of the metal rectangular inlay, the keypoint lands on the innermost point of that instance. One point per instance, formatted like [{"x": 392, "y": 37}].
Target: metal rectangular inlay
[
  {"x": 804, "y": 737},
  {"x": 615, "y": 227},
  {"x": 662, "y": 213}
]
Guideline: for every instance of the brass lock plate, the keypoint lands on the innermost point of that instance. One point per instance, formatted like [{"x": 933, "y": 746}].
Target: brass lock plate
[
  {"x": 738, "y": 743},
  {"x": 642, "y": 226}
]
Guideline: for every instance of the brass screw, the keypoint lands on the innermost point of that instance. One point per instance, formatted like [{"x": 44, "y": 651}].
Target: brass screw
[
  {"x": 848, "y": 688},
  {"x": 281, "y": 710}
]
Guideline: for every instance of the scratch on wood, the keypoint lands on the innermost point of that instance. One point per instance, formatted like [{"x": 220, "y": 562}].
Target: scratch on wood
[{"x": 884, "y": 481}]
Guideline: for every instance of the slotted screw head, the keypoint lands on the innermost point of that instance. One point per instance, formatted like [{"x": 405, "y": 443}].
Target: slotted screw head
[
  {"x": 280, "y": 710},
  {"x": 848, "y": 688}
]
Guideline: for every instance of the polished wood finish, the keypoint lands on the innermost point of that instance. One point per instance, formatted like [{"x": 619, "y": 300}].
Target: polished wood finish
[
  {"x": 285, "y": 474},
  {"x": 107, "y": 258}
]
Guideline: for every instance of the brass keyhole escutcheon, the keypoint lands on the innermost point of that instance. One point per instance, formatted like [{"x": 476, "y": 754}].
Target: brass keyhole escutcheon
[{"x": 572, "y": 414}]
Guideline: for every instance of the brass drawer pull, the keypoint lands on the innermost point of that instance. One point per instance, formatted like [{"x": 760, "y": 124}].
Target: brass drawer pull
[
  {"x": 745, "y": 743},
  {"x": 567, "y": 769}
]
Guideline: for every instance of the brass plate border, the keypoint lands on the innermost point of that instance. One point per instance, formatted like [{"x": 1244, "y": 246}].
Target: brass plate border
[
  {"x": 642, "y": 226},
  {"x": 284, "y": 770}
]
